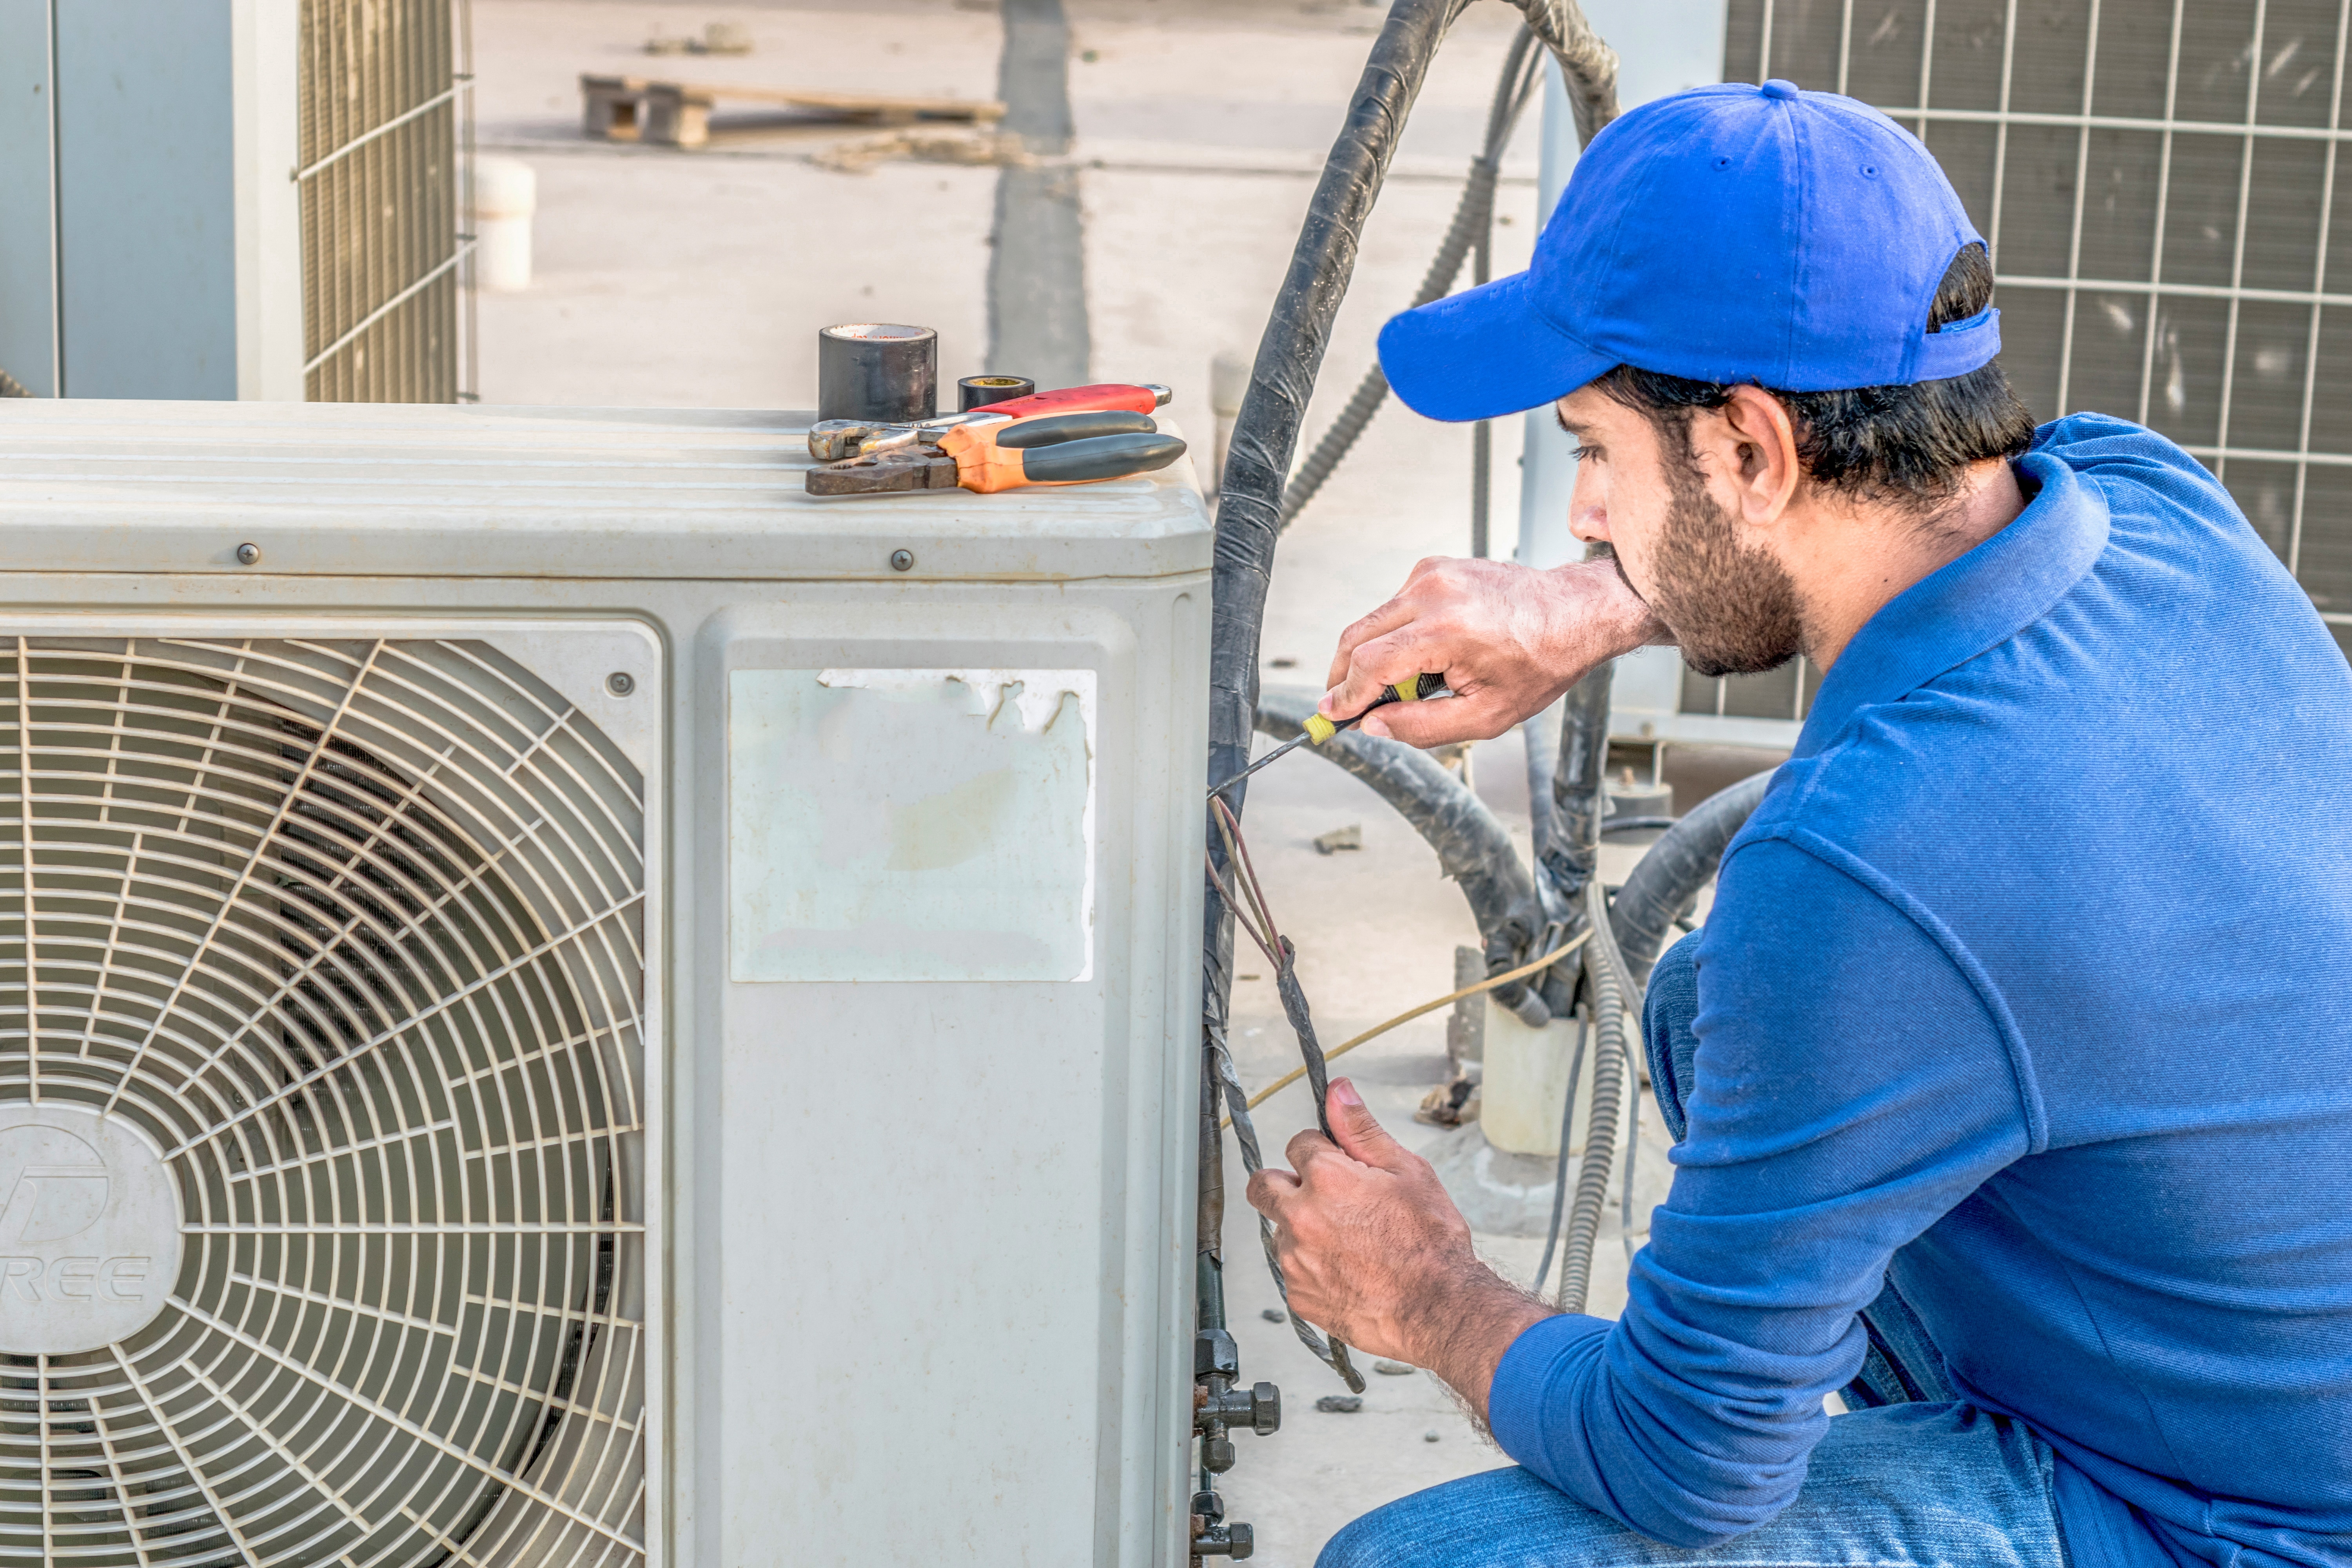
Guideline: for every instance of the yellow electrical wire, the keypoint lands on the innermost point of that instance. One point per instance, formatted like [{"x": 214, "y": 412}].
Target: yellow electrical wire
[{"x": 1294, "y": 1074}]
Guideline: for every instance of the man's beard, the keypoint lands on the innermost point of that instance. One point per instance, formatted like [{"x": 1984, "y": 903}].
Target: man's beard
[{"x": 1733, "y": 608}]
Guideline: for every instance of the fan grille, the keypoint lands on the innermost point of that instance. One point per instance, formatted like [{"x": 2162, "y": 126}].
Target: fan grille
[{"x": 351, "y": 934}]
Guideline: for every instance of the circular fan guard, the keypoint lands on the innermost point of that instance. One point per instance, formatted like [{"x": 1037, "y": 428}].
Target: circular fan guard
[{"x": 350, "y": 932}]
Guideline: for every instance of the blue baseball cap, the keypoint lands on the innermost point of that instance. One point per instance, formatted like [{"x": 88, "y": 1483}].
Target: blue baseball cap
[{"x": 1730, "y": 234}]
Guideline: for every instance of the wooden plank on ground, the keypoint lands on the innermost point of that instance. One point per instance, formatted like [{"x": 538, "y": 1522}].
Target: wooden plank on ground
[{"x": 677, "y": 114}]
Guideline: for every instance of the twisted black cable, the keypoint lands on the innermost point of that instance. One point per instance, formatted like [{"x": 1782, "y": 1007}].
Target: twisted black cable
[{"x": 1474, "y": 217}]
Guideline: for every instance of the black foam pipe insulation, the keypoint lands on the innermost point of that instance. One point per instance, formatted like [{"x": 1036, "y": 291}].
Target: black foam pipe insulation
[
  {"x": 1249, "y": 510},
  {"x": 1666, "y": 882},
  {"x": 1263, "y": 444},
  {"x": 1266, "y": 431},
  {"x": 1474, "y": 847}
]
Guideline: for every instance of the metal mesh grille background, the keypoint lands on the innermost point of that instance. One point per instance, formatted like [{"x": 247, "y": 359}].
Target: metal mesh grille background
[
  {"x": 1783, "y": 693},
  {"x": 351, "y": 930},
  {"x": 381, "y": 247},
  {"x": 2158, "y": 180}
]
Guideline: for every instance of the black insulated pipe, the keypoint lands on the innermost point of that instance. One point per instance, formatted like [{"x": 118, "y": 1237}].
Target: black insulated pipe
[
  {"x": 1265, "y": 434},
  {"x": 1263, "y": 443},
  {"x": 1473, "y": 226},
  {"x": 1666, "y": 882},
  {"x": 1265, "y": 438},
  {"x": 1474, "y": 847}
]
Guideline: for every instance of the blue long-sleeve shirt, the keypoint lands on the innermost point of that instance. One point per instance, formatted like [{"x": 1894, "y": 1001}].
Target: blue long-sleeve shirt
[{"x": 2031, "y": 977}]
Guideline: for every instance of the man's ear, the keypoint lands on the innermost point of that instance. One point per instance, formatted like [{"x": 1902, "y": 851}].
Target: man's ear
[{"x": 1754, "y": 455}]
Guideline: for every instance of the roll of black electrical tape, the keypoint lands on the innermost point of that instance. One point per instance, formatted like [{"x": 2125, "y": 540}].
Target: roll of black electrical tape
[
  {"x": 872, "y": 369},
  {"x": 980, "y": 391}
]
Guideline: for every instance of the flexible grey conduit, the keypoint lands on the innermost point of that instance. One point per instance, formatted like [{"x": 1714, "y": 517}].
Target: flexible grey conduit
[
  {"x": 1666, "y": 882},
  {"x": 1603, "y": 974},
  {"x": 1566, "y": 1137},
  {"x": 1473, "y": 215}
]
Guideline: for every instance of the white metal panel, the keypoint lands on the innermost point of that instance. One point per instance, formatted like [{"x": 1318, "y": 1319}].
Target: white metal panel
[
  {"x": 961, "y": 1306},
  {"x": 906, "y": 825},
  {"x": 152, "y": 177},
  {"x": 264, "y": 89},
  {"x": 918, "y": 1253},
  {"x": 402, "y": 489}
]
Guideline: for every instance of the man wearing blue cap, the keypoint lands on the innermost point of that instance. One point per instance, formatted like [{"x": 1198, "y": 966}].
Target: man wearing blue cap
[{"x": 2011, "y": 1075}]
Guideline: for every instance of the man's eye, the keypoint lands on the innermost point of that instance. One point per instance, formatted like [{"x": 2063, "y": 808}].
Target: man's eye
[{"x": 1584, "y": 453}]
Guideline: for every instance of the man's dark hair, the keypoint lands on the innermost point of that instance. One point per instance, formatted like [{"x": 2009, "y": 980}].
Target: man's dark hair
[{"x": 1903, "y": 446}]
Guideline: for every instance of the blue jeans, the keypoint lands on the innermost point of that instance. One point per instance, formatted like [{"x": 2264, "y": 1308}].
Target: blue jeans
[{"x": 1912, "y": 1475}]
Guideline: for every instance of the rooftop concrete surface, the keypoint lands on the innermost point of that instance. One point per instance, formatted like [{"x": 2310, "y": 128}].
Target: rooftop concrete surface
[{"x": 668, "y": 278}]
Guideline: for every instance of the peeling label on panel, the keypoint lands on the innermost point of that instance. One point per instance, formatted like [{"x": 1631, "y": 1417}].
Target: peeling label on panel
[{"x": 910, "y": 825}]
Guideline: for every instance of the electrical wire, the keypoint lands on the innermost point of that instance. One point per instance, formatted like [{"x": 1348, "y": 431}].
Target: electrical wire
[
  {"x": 1255, "y": 916},
  {"x": 1567, "y": 1136},
  {"x": 1410, "y": 1014},
  {"x": 1249, "y": 517}
]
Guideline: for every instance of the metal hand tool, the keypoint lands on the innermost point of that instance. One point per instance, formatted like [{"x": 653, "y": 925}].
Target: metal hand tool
[
  {"x": 829, "y": 440},
  {"x": 1319, "y": 729},
  {"x": 1002, "y": 455}
]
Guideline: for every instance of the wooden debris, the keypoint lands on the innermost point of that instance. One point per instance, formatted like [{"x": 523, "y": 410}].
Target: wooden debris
[
  {"x": 1349, "y": 838},
  {"x": 718, "y": 39},
  {"x": 677, "y": 114},
  {"x": 1004, "y": 149}
]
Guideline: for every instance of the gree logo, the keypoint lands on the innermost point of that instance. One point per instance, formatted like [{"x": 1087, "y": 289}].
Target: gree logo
[
  {"x": 56, "y": 1185},
  {"x": 56, "y": 1188},
  {"x": 89, "y": 1230},
  {"x": 75, "y": 1279}
]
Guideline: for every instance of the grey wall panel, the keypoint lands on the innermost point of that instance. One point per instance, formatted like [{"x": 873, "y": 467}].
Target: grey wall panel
[
  {"x": 147, "y": 165},
  {"x": 28, "y": 318}
]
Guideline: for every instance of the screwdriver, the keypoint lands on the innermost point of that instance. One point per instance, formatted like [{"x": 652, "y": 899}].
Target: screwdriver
[{"x": 1319, "y": 729}]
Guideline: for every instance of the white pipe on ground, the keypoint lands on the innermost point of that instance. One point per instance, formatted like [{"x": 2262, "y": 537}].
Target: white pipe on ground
[{"x": 506, "y": 195}]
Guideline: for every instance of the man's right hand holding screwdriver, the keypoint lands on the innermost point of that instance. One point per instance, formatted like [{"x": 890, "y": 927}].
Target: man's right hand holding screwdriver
[{"x": 1508, "y": 639}]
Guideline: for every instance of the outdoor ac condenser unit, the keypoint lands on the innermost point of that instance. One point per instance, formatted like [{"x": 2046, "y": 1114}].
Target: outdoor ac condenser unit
[{"x": 562, "y": 1001}]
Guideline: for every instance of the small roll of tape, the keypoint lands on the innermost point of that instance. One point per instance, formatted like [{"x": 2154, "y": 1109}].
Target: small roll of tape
[{"x": 980, "y": 391}]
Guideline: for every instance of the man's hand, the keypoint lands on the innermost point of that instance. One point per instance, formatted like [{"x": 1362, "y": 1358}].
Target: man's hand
[
  {"x": 1508, "y": 639},
  {"x": 1375, "y": 1252}
]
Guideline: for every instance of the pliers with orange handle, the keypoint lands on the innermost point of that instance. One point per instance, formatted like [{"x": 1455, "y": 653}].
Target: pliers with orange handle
[{"x": 1076, "y": 434}]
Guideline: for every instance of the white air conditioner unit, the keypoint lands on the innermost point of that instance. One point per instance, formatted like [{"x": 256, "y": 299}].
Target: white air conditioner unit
[{"x": 557, "y": 1007}]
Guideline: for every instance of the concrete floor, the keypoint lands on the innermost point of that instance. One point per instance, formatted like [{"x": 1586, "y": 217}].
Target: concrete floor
[{"x": 674, "y": 279}]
